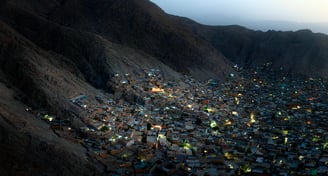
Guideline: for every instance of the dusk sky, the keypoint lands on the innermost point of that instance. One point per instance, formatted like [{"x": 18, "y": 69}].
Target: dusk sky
[{"x": 256, "y": 14}]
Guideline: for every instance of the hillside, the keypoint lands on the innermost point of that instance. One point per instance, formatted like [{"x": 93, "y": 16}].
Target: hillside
[
  {"x": 52, "y": 51},
  {"x": 136, "y": 24},
  {"x": 300, "y": 52}
]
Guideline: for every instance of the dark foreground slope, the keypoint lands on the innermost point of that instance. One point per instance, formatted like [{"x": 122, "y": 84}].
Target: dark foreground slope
[
  {"x": 29, "y": 75},
  {"x": 300, "y": 52},
  {"x": 28, "y": 147}
]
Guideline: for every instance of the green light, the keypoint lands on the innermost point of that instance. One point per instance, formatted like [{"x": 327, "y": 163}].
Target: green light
[
  {"x": 316, "y": 138},
  {"x": 285, "y": 132},
  {"x": 186, "y": 145},
  {"x": 246, "y": 168},
  {"x": 213, "y": 124}
]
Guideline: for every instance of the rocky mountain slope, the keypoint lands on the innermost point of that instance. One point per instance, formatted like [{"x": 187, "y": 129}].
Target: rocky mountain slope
[
  {"x": 300, "y": 52},
  {"x": 49, "y": 53},
  {"x": 135, "y": 24},
  {"x": 53, "y": 50},
  {"x": 34, "y": 77}
]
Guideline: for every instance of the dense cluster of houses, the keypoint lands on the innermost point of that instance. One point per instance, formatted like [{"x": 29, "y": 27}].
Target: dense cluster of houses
[{"x": 262, "y": 123}]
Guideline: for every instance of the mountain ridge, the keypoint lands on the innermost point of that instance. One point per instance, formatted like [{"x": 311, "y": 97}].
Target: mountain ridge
[
  {"x": 300, "y": 52},
  {"x": 122, "y": 23}
]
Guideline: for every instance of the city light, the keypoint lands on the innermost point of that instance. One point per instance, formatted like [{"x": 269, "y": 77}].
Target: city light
[
  {"x": 237, "y": 100},
  {"x": 228, "y": 122},
  {"x": 213, "y": 124},
  {"x": 157, "y": 126},
  {"x": 252, "y": 117},
  {"x": 284, "y": 132},
  {"x": 325, "y": 145},
  {"x": 157, "y": 90},
  {"x": 257, "y": 119}
]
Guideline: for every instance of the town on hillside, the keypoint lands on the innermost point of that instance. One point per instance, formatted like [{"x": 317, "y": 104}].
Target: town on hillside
[{"x": 257, "y": 123}]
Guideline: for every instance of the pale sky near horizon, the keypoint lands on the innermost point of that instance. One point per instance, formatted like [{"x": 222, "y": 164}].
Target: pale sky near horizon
[{"x": 249, "y": 12}]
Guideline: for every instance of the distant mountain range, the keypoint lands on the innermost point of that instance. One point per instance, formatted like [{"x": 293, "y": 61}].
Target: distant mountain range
[
  {"x": 265, "y": 25},
  {"x": 51, "y": 50},
  {"x": 286, "y": 26}
]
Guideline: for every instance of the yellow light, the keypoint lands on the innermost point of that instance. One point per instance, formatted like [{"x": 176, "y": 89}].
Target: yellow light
[
  {"x": 275, "y": 137},
  {"x": 211, "y": 110},
  {"x": 237, "y": 100},
  {"x": 157, "y": 90},
  {"x": 301, "y": 157},
  {"x": 189, "y": 106},
  {"x": 171, "y": 96},
  {"x": 285, "y": 132},
  {"x": 228, "y": 122},
  {"x": 296, "y": 107},
  {"x": 252, "y": 117},
  {"x": 234, "y": 113},
  {"x": 158, "y": 126},
  {"x": 286, "y": 140}
]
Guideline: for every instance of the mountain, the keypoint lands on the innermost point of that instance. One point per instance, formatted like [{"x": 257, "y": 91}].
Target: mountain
[
  {"x": 301, "y": 52},
  {"x": 135, "y": 24},
  {"x": 286, "y": 26},
  {"x": 54, "y": 50}
]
